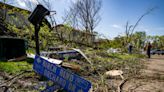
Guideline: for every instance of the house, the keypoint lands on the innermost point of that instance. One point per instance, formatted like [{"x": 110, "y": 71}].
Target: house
[
  {"x": 74, "y": 35},
  {"x": 15, "y": 16}
]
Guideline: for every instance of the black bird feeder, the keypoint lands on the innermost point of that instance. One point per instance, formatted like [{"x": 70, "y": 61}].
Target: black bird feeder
[{"x": 36, "y": 18}]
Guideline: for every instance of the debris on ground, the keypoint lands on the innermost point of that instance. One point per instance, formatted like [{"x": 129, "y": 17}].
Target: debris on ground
[
  {"x": 104, "y": 73},
  {"x": 114, "y": 73},
  {"x": 18, "y": 58}
]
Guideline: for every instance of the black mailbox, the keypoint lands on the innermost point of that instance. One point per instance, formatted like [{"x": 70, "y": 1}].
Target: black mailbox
[{"x": 38, "y": 14}]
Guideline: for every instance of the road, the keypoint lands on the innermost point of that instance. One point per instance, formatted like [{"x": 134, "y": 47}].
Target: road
[
  {"x": 155, "y": 65},
  {"x": 152, "y": 77}
]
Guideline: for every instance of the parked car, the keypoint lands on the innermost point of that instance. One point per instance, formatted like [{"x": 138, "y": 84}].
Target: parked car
[{"x": 157, "y": 51}]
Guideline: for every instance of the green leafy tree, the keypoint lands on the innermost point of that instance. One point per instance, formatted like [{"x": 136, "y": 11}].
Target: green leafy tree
[{"x": 139, "y": 40}]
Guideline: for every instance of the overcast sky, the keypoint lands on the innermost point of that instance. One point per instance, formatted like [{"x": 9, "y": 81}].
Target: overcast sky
[{"x": 115, "y": 14}]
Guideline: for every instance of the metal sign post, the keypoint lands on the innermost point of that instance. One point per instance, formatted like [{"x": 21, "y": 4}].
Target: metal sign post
[
  {"x": 37, "y": 28},
  {"x": 36, "y": 18}
]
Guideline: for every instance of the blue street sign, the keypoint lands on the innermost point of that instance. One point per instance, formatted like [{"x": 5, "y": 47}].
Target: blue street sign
[{"x": 64, "y": 78}]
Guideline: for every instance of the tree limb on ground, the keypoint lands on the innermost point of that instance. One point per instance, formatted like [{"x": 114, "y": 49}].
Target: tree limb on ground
[
  {"x": 121, "y": 85},
  {"x": 11, "y": 80}
]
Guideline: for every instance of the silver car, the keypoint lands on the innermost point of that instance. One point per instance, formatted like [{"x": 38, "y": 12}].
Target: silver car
[{"x": 157, "y": 51}]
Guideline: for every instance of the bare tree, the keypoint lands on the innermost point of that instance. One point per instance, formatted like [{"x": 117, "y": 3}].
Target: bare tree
[
  {"x": 130, "y": 28},
  {"x": 85, "y": 14}
]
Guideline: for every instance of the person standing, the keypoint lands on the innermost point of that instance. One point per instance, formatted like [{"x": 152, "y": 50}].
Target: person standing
[
  {"x": 130, "y": 48},
  {"x": 148, "y": 50}
]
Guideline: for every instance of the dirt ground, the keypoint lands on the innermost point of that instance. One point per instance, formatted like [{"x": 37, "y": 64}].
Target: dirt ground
[{"x": 151, "y": 79}]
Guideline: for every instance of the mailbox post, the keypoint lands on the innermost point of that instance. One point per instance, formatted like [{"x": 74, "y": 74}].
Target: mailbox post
[{"x": 36, "y": 18}]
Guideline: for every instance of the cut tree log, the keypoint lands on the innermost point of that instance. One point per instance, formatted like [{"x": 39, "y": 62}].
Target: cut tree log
[
  {"x": 71, "y": 66},
  {"x": 114, "y": 73}
]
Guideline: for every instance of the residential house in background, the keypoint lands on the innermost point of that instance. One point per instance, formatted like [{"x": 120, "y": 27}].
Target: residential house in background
[
  {"x": 14, "y": 16},
  {"x": 74, "y": 35}
]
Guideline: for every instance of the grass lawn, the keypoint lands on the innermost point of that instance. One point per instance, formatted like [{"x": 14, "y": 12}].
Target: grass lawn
[{"x": 15, "y": 67}]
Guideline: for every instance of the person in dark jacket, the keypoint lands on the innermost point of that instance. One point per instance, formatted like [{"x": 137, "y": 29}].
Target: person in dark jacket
[
  {"x": 149, "y": 49},
  {"x": 130, "y": 48}
]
